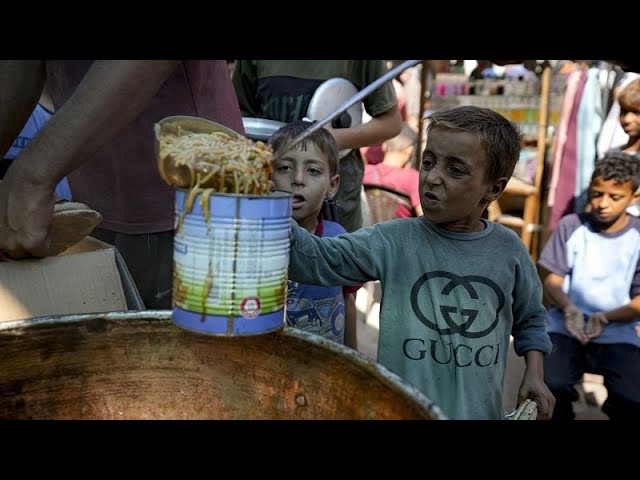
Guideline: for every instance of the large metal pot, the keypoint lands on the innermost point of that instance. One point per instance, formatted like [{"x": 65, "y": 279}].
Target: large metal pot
[
  {"x": 260, "y": 129},
  {"x": 139, "y": 365}
]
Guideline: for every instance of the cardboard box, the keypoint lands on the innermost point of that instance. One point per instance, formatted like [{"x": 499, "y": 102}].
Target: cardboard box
[{"x": 90, "y": 277}]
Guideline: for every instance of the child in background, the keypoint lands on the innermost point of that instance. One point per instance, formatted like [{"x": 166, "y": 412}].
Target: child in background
[
  {"x": 310, "y": 173},
  {"x": 629, "y": 100},
  {"x": 282, "y": 90},
  {"x": 455, "y": 286},
  {"x": 396, "y": 170},
  {"x": 593, "y": 282}
]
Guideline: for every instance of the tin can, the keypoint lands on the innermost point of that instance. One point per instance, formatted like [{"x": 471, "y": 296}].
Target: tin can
[{"x": 231, "y": 259}]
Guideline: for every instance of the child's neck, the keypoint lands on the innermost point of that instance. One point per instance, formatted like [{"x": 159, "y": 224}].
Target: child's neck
[
  {"x": 310, "y": 224},
  {"x": 616, "y": 226},
  {"x": 632, "y": 146}
]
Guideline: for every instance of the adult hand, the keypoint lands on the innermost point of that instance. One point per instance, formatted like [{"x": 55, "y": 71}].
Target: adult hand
[
  {"x": 574, "y": 323},
  {"x": 596, "y": 324},
  {"x": 26, "y": 208}
]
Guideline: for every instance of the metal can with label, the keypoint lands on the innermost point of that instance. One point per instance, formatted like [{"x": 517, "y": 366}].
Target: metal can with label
[{"x": 231, "y": 258}]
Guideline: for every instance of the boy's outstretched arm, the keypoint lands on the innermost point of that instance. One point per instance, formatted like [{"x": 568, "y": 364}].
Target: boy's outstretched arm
[
  {"x": 348, "y": 259},
  {"x": 533, "y": 385}
]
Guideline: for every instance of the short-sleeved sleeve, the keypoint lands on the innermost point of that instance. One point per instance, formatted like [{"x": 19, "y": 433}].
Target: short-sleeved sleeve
[{"x": 554, "y": 254}]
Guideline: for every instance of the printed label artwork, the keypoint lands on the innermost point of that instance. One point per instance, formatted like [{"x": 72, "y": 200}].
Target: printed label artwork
[
  {"x": 250, "y": 307},
  {"x": 474, "y": 309}
]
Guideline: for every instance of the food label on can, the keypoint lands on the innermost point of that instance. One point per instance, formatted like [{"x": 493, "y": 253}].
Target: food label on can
[{"x": 250, "y": 307}]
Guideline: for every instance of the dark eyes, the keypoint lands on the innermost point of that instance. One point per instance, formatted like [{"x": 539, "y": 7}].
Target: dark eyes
[
  {"x": 452, "y": 169},
  {"x": 289, "y": 168},
  {"x": 615, "y": 198},
  {"x": 427, "y": 164}
]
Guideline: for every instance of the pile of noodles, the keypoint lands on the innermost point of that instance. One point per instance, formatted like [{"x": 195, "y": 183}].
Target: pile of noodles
[{"x": 217, "y": 161}]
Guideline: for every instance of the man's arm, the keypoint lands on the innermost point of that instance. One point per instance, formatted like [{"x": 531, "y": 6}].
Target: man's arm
[
  {"x": 111, "y": 95},
  {"x": 21, "y": 83},
  {"x": 383, "y": 127}
]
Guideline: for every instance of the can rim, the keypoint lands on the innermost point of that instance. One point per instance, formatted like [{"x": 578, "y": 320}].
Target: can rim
[{"x": 276, "y": 194}]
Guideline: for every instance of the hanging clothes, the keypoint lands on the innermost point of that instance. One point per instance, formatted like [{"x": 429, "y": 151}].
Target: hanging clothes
[
  {"x": 568, "y": 99},
  {"x": 565, "y": 170},
  {"x": 589, "y": 125}
]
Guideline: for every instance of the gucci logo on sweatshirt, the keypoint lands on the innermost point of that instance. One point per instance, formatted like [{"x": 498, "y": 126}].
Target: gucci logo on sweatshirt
[{"x": 463, "y": 308}]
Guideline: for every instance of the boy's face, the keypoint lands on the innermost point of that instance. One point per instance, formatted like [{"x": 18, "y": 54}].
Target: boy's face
[
  {"x": 609, "y": 200},
  {"x": 630, "y": 120},
  {"x": 453, "y": 192},
  {"x": 306, "y": 174}
]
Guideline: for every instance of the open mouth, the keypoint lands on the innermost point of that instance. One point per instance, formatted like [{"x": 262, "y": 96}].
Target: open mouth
[
  {"x": 297, "y": 201},
  {"x": 431, "y": 198}
]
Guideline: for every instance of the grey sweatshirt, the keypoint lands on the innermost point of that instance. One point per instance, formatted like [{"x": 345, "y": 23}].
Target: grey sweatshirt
[{"x": 450, "y": 302}]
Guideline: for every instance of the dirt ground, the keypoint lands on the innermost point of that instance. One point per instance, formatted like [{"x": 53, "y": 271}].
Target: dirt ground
[{"x": 592, "y": 392}]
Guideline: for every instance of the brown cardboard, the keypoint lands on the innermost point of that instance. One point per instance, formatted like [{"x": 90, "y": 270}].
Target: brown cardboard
[{"x": 90, "y": 277}]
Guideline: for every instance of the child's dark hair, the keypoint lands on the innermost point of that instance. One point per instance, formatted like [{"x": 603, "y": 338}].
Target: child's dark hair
[
  {"x": 321, "y": 138},
  {"x": 499, "y": 138},
  {"x": 618, "y": 166}
]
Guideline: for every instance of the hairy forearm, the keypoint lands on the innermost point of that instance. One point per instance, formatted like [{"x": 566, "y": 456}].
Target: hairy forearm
[
  {"x": 112, "y": 94},
  {"x": 626, "y": 313},
  {"x": 374, "y": 132},
  {"x": 21, "y": 83}
]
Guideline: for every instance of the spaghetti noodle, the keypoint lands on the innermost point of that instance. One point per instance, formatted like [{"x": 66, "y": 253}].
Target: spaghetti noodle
[{"x": 218, "y": 161}]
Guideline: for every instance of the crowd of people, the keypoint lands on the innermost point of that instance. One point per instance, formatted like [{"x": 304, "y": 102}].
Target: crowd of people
[{"x": 456, "y": 287}]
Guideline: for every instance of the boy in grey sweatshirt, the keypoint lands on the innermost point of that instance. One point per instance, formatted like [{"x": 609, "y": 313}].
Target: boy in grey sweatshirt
[{"x": 454, "y": 286}]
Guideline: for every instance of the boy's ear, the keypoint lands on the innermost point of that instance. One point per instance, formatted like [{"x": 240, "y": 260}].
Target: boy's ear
[
  {"x": 496, "y": 189},
  {"x": 333, "y": 186},
  {"x": 636, "y": 196}
]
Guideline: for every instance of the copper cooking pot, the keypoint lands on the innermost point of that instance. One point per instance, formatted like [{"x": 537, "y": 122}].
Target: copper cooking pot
[{"x": 139, "y": 365}]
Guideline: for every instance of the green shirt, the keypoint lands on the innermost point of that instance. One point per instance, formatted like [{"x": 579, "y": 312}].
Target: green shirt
[{"x": 450, "y": 302}]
